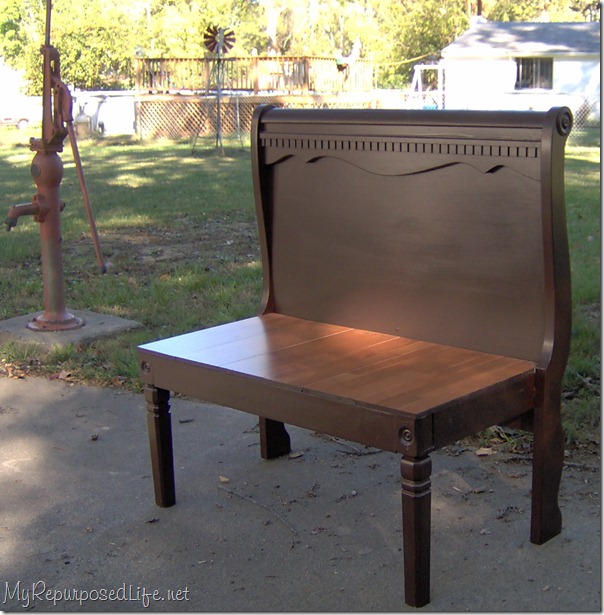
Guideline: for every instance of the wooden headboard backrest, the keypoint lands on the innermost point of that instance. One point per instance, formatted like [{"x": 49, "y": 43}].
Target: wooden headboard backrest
[{"x": 445, "y": 226}]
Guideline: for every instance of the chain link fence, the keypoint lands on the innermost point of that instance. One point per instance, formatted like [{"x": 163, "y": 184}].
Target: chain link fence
[{"x": 586, "y": 128}]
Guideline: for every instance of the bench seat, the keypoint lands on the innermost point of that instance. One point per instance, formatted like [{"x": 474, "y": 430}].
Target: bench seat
[{"x": 391, "y": 377}]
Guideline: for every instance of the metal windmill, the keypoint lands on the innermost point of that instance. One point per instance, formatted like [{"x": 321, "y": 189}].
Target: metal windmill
[{"x": 219, "y": 41}]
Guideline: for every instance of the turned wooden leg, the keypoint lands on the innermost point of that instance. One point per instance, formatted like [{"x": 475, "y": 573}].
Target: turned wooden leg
[
  {"x": 548, "y": 461},
  {"x": 416, "y": 496},
  {"x": 274, "y": 439},
  {"x": 160, "y": 441}
]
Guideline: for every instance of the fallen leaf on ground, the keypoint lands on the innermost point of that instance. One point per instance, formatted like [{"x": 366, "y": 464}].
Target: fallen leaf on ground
[
  {"x": 14, "y": 371},
  {"x": 484, "y": 452}
]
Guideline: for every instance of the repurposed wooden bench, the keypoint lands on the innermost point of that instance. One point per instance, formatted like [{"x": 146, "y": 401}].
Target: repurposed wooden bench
[{"x": 416, "y": 291}]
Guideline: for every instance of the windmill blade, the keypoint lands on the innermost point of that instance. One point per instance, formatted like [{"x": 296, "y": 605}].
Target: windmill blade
[
  {"x": 228, "y": 40},
  {"x": 210, "y": 38},
  {"x": 219, "y": 40}
]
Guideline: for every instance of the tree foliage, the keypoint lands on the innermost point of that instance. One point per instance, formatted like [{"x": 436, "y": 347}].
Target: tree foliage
[
  {"x": 540, "y": 10},
  {"x": 418, "y": 31},
  {"x": 19, "y": 21},
  {"x": 98, "y": 39}
]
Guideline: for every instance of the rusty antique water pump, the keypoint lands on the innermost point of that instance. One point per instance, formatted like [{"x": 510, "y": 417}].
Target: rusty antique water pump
[{"x": 46, "y": 205}]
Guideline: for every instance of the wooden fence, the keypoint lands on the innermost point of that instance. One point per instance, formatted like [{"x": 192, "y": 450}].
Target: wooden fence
[
  {"x": 288, "y": 74},
  {"x": 188, "y": 116}
]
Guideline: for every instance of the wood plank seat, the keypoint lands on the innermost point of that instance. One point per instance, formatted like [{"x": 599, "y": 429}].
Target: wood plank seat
[
  {"x": 416, "y": 291},
  {"x": 395, "y": 380}
]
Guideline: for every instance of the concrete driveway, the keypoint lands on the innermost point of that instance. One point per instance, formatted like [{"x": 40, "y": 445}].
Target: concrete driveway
[{"x": 319, "y": 531}]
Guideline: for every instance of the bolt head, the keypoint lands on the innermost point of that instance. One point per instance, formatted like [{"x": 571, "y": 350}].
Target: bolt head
[{"x": 406, "y": 436}]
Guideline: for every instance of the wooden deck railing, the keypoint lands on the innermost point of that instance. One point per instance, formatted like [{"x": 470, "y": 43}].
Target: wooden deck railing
[{"x": 292, "y": 74}]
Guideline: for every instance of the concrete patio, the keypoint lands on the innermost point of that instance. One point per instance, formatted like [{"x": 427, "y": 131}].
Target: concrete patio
[{"x": 318, "y": 531}]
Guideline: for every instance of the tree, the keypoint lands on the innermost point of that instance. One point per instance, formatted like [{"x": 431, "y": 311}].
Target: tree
[
  {"x": 316, "y": 27},
  {"x": 97, "y": 39},
  {"x": 19, "y": 25},
  {"x": 176, "y": 28},
  {"x": 419, "y": 30},
  {"x": 96, "y": 43},
  {"x": 541, "y": 10},
  {"x": 95, "y": 53}
]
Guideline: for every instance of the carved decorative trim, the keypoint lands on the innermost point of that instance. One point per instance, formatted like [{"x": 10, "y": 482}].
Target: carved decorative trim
[{"x": 460, "y": 147}]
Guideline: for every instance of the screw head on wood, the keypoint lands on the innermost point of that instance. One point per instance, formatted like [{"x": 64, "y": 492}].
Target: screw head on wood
[{"x": 406, "y": 436}]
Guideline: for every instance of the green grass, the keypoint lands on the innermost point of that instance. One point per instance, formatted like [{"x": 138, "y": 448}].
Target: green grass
[
  {"x": 581, "y": 412},
  {"x": 178, "y": 231}
]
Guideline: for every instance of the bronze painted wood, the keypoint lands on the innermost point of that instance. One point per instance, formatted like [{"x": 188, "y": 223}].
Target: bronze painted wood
[
  {"x": 159, "y": 426},
  {"x": 416, "y": 291},
  {"x": 274, "y": 439},
  {"x": 416, "y": 499}
]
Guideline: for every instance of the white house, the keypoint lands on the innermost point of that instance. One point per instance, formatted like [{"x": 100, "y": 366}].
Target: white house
[{"x": 522, "y": 65}]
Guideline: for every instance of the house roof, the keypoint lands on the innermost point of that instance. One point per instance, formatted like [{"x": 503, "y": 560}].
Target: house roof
[{"x": 527, "y": 38}]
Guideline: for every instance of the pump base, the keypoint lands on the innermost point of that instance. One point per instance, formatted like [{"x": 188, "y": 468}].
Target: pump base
[{"x": 39, "y": 323}]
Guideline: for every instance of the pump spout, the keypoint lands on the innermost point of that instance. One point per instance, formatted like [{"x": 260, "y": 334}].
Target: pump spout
[
  {"x": 37, "y": 208},
  {"x": 16, "y": 211}
]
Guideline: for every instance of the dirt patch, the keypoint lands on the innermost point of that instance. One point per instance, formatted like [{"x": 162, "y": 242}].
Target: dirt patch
[{"x": 149, "y": 250}]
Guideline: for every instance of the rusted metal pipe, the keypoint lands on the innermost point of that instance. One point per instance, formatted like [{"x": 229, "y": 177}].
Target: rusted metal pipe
[
  {"x": 64, "y": 105},
  {"x": 16, "y": 211},
  {"x": 46, "y": 206},
  {"x": 96, "y": 242},
  {"x": 47, "y": 172},
  {"x": 37, "y": 208}
]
